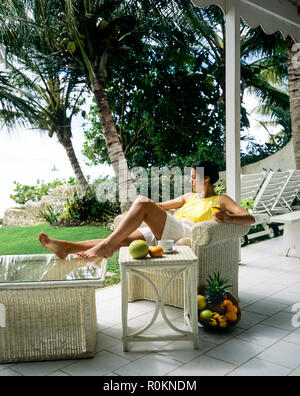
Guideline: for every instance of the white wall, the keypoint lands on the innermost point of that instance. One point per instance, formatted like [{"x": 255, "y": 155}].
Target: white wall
[{"x": 283, "y": 160}]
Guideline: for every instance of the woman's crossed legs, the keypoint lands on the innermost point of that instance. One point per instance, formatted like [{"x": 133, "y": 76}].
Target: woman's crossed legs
[{"x": 143, "y": 209}]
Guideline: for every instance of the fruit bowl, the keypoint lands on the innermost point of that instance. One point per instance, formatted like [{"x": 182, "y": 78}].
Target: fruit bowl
[{"x": 219, "y": 320}]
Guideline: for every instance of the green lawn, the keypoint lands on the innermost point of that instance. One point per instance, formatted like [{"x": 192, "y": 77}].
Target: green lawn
[{"x": 24, "y": 240}]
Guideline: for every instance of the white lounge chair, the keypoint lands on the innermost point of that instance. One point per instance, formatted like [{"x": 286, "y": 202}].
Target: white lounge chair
[
  {"x": 269, "y": 192},
  {"x": 250, "y": 184},
  {"x": 288, "y": 193},
  {"x": 264, "y": 201}
]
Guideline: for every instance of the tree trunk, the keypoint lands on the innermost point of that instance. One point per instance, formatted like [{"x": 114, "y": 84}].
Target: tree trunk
[
  {"x": 65, "y": 140},
  {"x": 127, "y": 190},
  {"x": 294, "y": 89}
]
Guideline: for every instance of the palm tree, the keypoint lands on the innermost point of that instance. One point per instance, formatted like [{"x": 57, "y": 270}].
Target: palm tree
[
  {"x": 85, "y": 35},
  {"x": 261, "y": 55},
  {"x": 11, "y": 105},
  {"x": 51, "y": 100},
  {"x": 294, "y": 89},
  {"x": 280, "y": 118}
]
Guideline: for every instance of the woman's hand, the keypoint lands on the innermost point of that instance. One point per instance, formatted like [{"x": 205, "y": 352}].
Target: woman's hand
[{"x": 220, "y": 216}]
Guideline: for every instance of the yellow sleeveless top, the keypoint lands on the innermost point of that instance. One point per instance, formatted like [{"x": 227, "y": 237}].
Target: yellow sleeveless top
[{"x": 196, "y": 209}]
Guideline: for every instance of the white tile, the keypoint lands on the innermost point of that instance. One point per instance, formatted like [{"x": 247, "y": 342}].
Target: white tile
[
  {"x": 111, "y": 375},
  {"x": 287, "y": 279},
  {"x": 135, "y": 310},
  {"x": 262, "y": 335},
  {"x": 116, "y": 330},
  {"x": 266, "y": 307},
  {"x": 103, "y": 298},
  {"x": 290, "y": 308},
  {"x": 269, "y": 285},
  {"x": 104, "y": 324},
  {"x": 40, "y": 368},
  {"x": 163, "y": 330},
  {"x": 293, "y": 337},
  {"x": 143, "y": 305},
  {"x": 247, "y": 298},
  {"x": 203, "y": 366},
  {"x": 294, "y": 289},
  {"x": 109, "y": 292},
  {"x": 295, "y": 373},
  {"x": 260, "y": 368},
  {"x": 267, "y": 288},
  {"x": 105, "y": 342},
  {"x": 250, "y": 319},
  {"x": 4, "y": 366},
  {"x": 172, "y": 314},
  {"x": 59, "y": 373},
  {"x": 138, "y": 349},
  {"x": 206, "y": 335},
  {"x": 102, "y": 363},
  {"x": 113, "y": 316},
  {"x": 183, "y": 351},
  {"x": 290, "y": 264},
  {"x": 284, "y": 297},
  {"x": 282, "y": 320},
  {"x": 150, "y": 365},
  {"x": 9, "y": 373},
  {"x": 283, "y": 353},
  {"x": 235, "y": 351}
]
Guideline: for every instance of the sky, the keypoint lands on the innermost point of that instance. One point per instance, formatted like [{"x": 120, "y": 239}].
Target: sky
[{"x": 28, "y": 155}]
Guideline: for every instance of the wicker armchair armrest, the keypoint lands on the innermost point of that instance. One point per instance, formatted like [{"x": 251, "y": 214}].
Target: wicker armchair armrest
[
  {"x": 211, "y": 232},
  {"x": 117, "y": 221}
]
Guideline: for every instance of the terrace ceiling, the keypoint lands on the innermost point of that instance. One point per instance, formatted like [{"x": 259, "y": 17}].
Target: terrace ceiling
[{"x": 271, "y": 15}]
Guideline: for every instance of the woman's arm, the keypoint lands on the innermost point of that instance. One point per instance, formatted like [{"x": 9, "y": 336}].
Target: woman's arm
[
  {"x": 231, "y": 212},
  {"x": 174, "y": 203}
]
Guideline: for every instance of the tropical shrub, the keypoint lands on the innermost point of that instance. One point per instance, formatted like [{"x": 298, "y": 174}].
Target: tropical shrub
[
  {"x": 88, "y": 208},
  {"x": 220, "y": 189},
  {"x": 247, "y": 204},
  {"x": 50, "y": 214}
]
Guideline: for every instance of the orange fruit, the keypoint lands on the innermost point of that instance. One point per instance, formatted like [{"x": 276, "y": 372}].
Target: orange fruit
[
  {"x": 231, "y": 317},
  {"x": 156, "y": 251},
  {"x": 232, "y": 309},
  {"x": 228, "y": 303}
]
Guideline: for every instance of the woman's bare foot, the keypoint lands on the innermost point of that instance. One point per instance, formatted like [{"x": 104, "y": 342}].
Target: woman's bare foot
[
  {"x": 54, "y": 245},
  {"x": 98, "y": 251}
]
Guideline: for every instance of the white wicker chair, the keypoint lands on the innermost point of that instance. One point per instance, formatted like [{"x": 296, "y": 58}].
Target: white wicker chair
[{"x": 216, "y": 245}]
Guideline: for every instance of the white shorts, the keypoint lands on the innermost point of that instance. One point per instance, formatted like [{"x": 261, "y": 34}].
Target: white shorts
[{"x": 173, "y": 229}]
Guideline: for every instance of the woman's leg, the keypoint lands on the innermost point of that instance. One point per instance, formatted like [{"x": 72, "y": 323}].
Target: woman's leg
[
  {"x": 143, "y": 209},
  {"x": 63, "y": 248}
]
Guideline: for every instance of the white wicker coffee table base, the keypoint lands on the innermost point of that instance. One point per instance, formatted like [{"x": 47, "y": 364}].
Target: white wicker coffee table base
[
  {"x": 185, "y": 263},
  {"x": 47, "y": 320},
  {"x": 48, "y": 324}
]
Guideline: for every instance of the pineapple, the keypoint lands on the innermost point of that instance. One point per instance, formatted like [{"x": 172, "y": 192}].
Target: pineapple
[{"x": 215, "y": 293}]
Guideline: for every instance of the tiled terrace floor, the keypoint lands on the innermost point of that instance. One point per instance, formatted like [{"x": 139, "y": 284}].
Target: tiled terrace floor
[{"x": 264, "y": 343}]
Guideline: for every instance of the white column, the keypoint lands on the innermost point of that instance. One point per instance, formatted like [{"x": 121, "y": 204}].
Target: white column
[{"x": 233, "y": 99}]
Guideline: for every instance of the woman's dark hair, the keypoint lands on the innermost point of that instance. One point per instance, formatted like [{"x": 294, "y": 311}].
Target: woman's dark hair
[{"x": 211, "y": 169}]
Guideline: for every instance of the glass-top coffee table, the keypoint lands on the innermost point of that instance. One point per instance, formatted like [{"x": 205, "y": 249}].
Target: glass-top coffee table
[{"x": 47, "y": 307}]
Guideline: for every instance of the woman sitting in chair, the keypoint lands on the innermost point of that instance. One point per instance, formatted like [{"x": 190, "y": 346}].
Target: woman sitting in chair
[{"x": 192, "y": 208}]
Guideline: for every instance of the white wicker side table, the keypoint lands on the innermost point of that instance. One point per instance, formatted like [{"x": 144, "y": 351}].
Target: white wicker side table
[
  {"x": 48, "y": 307},
  {"x": 184, "y": 262}
]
